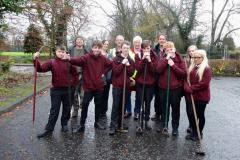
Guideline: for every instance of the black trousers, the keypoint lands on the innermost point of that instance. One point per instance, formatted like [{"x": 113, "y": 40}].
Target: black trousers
[
  {"x": 173, "y": 101},
  {"x": 116, "y": 114},
  {"x": 105, "y": 98},
  {"x": 147, "y": 98},
  {"x": 189, "y": 111},
  {"x": 200, "y": 110},
  {"x": 88, "y": 96},
  {"x": 157, "y": 102},
  {"x": 60, "y": 96}
]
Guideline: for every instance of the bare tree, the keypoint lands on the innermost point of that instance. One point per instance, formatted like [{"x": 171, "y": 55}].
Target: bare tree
[
  {"x": 54, "y": 16},
  {"x": 221, "y": 21},
  {"x": 181, "y": 15}
]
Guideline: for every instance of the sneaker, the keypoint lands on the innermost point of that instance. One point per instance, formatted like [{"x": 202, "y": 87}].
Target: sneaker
[
  {"x": 175, "y": 132},
  {"x": 136, "y": 116},
  {"x": 44, "y": 134},
  {"x": 74, "y": 113},
  {"x": 64, "y": 128},
  {"x": 99, "y": 126},
  {"x": 127, "y": 115},
  {"x": 155, "y": 118},
  {"x": 80, "y": 129},
  {"x": 189, "y": 130},
  {"x": 147, "y": 126},
  {"x": 111, "y": 132}
]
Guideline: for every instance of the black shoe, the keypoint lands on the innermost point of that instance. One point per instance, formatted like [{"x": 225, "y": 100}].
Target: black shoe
[
  {"x": 155, "y": 118},
  {"x": 103, "y": 116},
  {"x": 188, "y": 137},
  {"x": 44, "y": 134},
  {"x": 111, "y": 132},
  {"x": 147, "y": 126},
  {"x": 175, "y": 132},
  {"x": 189, "y": 130},
  {"x": 64, "y": 128},
  {"x": 80, "y": 129},
  {"x": 136, "y": 116},
  {"x": 127, "y": 115},
  {"x": 99, "y": 126}
]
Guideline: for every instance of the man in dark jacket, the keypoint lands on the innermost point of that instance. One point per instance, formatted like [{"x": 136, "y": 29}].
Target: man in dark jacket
[
  {"x": 158, "y": 49},
  {"x": 78, "y": 50}
]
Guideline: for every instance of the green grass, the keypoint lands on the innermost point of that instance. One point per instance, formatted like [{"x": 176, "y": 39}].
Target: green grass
[
  {"x": 21, "y": 57},
  {"x": 9, "y": 96},
  {"x": 19, "y": 54}
]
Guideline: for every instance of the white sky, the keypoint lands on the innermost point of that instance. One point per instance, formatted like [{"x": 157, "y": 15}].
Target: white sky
[
  {"x": 98, "y": 17},
  {"x": 205, "y": 17}
]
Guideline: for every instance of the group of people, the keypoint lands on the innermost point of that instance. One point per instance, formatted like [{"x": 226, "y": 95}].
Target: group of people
[{"x": 79, "y": 76}]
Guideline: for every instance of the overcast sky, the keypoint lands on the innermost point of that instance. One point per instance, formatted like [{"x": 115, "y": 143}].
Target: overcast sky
[
  {"x": 101, "y": 19},
  {"x": 98, "y": 17}
]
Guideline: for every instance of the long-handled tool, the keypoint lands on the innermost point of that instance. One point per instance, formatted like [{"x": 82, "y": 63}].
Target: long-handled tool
[
  {"x": 34, "y": 87},
  {"x": 139, "y": 129},
  {"x": 123, "y": 99},
  {"x": 199, "y": 151},
  {"x": 165, "y": 129}
]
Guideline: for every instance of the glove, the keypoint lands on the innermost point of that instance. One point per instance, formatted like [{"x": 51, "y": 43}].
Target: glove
[{"x": 125, "y": 61}]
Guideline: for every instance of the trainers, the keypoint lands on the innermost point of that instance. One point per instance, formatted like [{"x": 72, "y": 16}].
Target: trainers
[
  {"x": 127, "y": 115},
  {"x": 189, "y": 130},
  {"x": 147, "y": 126},
  {"x": 136, "y": 116},
  {"x": 64, "y": 128},
  {"x": 44, "y": 134},
  {"x": 74, "y": 113},
  {"x": 175, "y": 132},
  {"x": 111, "y": 132},
  {"x": 155, "y": 118},
  {"x": 80, "y": 129},
  {"x": 99, "y": 126}
]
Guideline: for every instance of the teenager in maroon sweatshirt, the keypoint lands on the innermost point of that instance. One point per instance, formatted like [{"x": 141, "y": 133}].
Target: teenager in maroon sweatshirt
[
  {"x": 147, "y": 58},
  {"x": 177, "y": 74},
  {"x": 64, "y": 79},
  {"x": 94, "y": 66},
  {"x": 199, "y": 76},
  {"x": 121, "y": 61}
]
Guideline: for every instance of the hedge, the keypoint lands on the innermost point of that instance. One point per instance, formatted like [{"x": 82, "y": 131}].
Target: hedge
[{"x": 225, "y": 67}]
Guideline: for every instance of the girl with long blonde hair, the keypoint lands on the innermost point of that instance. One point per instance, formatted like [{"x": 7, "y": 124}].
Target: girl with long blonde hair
[{"x": 199, "y": 77}]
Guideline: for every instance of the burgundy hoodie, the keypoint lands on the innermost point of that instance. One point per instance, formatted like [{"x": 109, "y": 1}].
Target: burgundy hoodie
[
  {"x": 201, "y": 90},
  {"x": 60, "y": 72},
  {"x": 94, "y": 68},
  {"x": 151, "y": 67},
  {"x": 118, "y": 72},
  {"x": 177, "y": 72}
]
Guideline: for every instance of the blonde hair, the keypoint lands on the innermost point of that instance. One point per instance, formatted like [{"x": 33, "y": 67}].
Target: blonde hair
[
  {"x": 202, "y": 66},
  {"x": 169, "y": 44}
]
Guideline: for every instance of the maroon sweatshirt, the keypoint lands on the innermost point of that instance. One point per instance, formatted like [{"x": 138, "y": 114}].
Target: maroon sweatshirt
[
  {"x": 60, "y": 72},
  {"x": 201, "y": 90},
  {"x": 118, "y": 72},
  {"x": 151, "y": 67},
  {"x": 94, "y": 68},
  {"x": 177, "y": 72}
]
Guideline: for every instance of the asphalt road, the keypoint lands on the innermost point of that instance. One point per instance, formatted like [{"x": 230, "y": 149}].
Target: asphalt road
[{"x": 221, "y": 139}]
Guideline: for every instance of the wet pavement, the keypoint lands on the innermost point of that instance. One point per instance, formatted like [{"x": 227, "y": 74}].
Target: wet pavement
[{"x": 221, "y": 139}]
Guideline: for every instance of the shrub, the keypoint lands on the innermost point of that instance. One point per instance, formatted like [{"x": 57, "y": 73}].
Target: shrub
[
  {"x": 5, "y": 65},
  {"x": 225, "y": 67}
]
